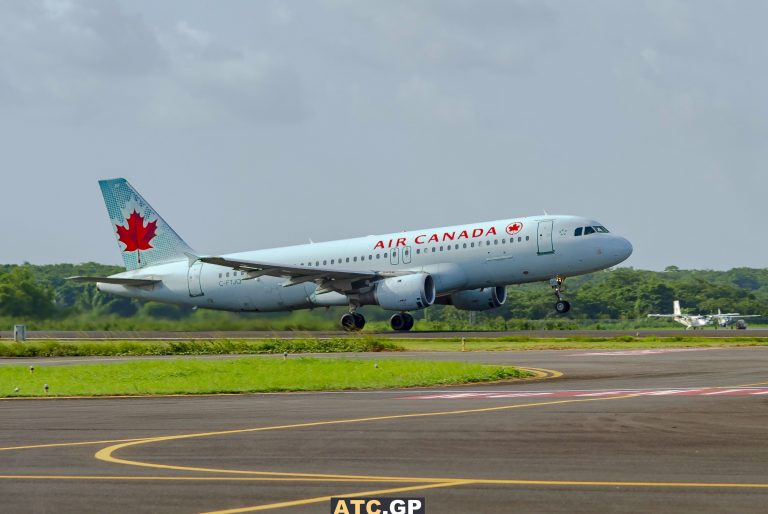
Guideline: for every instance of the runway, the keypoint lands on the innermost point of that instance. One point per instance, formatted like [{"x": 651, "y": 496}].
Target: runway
[
  {"x": 618, "y": 431},
  {"x": 315, "y": 334}
]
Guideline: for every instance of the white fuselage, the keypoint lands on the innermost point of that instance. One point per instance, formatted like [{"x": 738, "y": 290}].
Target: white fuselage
[{"x": 463, "y": 257}]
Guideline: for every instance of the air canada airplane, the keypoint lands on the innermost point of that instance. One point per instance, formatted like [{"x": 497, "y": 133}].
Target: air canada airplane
[{"x": 467, "y": 266}]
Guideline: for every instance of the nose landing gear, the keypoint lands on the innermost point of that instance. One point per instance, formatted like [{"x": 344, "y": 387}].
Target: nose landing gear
[
  {"x": 558, "y": 286},
  {"x": 401, "y": 322}
]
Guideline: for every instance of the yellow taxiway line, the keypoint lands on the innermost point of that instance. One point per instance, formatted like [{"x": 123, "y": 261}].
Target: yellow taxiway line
[{"x": 307, "y": 501}]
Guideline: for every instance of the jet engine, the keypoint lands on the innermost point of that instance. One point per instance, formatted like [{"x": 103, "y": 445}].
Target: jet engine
[
  {"x": 479, "y": 299},
  {"x": 405, "y": 293}
]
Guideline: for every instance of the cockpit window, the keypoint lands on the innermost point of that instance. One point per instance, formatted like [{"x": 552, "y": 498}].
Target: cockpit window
[
  {"x": 602, "y": 229},
  {"x": 578, "y": 231},
  {"x": 588, "y": 230}
]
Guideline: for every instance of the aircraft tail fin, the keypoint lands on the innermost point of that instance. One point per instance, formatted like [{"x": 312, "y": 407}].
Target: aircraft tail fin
[
  {"x": 676, "y": 308},
  {"x": 144, "y": 238}
]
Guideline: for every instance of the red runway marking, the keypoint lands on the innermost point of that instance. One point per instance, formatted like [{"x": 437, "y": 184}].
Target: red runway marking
[{"x": 705, "y": 391}]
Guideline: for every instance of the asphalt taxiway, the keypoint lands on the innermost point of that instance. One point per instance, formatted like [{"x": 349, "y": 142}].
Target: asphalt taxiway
[{"x": 679, "y": 430}]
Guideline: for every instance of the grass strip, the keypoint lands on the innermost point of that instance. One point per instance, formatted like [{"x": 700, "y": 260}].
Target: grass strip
[
  {"x": 218, "y": 347},
  {"x": 358, "y": 344},
  {"x": 244, "y": 375}
]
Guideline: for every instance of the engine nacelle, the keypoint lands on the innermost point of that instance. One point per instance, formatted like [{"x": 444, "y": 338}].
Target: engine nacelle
[
  {"x": 479, "y": 299},
  {"x": 406, "y": 293}
]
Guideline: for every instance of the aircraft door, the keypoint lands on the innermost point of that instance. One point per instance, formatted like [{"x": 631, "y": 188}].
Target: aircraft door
[
  {"x": 544, "y": 239},
  {"x": 394, "y": 255},
  {"x": 406, "y": 257},
  {"x": 193, "y": 279}
]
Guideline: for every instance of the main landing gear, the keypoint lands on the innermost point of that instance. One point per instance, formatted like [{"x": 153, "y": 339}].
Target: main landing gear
[
  {"x": 558, "y": 286},
  {"x": 352, "y": 321},
  {"x": 401, "y": 322}
]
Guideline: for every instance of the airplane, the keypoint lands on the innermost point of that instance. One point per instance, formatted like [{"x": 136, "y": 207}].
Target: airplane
[
  {"x": 467, "y": 266},
  {"x": 729, "y": 319},
  {"x": 690, "y": 321},
  {"x": 694, "y": 321}
]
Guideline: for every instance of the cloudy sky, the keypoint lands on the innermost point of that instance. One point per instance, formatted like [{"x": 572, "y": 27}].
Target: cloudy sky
[{"x": 257, "y": 124}]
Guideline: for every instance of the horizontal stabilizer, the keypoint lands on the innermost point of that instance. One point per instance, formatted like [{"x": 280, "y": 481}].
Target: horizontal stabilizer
[{"x": 137, "y": 282}]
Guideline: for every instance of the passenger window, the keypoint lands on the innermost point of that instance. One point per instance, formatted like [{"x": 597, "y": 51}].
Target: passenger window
[
  {"x": 331, "y": 261},
  {"x": 520, "y": 238},
  {"x": 347, "y": 259},
  {"x": 354, "y": 259},
  {"x": 588, "y": 230},
  {"x": 317, "y": 263},
  {"x": 464, "y": 245},
  {"x": 527, "y": 238},
  {"x": 488, "y": 243},
  {"x": 578, "y": 231},
  {"x": 325, "y": 263},
  {"x": 418, "y": 251},
  {"x": 378, "y": 256},
  {"x": 496, "y": 241},
  {"x": 385, "y": 255},
  {"x": 447, "y": 248},
  {"x": 227, "y": 274},
  {"x": 433, "y": 249},
  {"x": 472, "y": 245},
  {"x": 406, "y": 252}
]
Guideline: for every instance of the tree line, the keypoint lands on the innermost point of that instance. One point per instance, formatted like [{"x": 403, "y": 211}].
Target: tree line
[{"x": 41, "y": 296}]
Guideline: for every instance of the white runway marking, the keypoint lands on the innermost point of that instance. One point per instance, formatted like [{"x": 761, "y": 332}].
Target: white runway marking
[{"x": 705, "y": 391}]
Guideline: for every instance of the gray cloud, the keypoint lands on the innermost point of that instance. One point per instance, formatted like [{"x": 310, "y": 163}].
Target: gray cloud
[{"x": 94, "y": 59}]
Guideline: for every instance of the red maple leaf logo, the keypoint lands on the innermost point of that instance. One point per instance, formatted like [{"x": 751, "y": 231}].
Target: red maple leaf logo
[
  {"x": 514, "y": 228},
  {"x": 136, "y": 236}
]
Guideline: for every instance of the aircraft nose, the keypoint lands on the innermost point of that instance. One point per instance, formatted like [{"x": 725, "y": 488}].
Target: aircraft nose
[{"x": 622, "y": 249}]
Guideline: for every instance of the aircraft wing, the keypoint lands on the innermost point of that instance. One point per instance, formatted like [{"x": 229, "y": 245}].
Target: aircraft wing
[
  {"x": 118, "y": 281},
  {"x": 329, "y": 279},
  {"x": 735, "y": 315},
  {"x": 663, "y": 315}
]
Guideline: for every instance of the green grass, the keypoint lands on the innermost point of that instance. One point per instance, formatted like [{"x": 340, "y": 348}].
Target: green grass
[
  {"x": 218, "y": 347},
  {"x": 354, "y": 344},
  {"x": 244, "y": 375}
]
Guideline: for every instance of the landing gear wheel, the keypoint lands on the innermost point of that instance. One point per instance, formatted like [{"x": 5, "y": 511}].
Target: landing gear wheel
[
  {"x": 401, "y": 322},
  {"x": 408, "y": 321},
  {"x": 359, "y": 320},
  {"x": 352, "y": 322},
  {"x": 348, "y": 322},
  {"x": 558, "y": 286}
]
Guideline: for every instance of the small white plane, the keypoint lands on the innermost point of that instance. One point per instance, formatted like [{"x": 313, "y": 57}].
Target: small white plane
[
  {"x": 729, "y": 319},
  {"x": 467, "y": 266},
  {"x": 690, "y": 321},
  {"x": 694, "y": 321}
]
